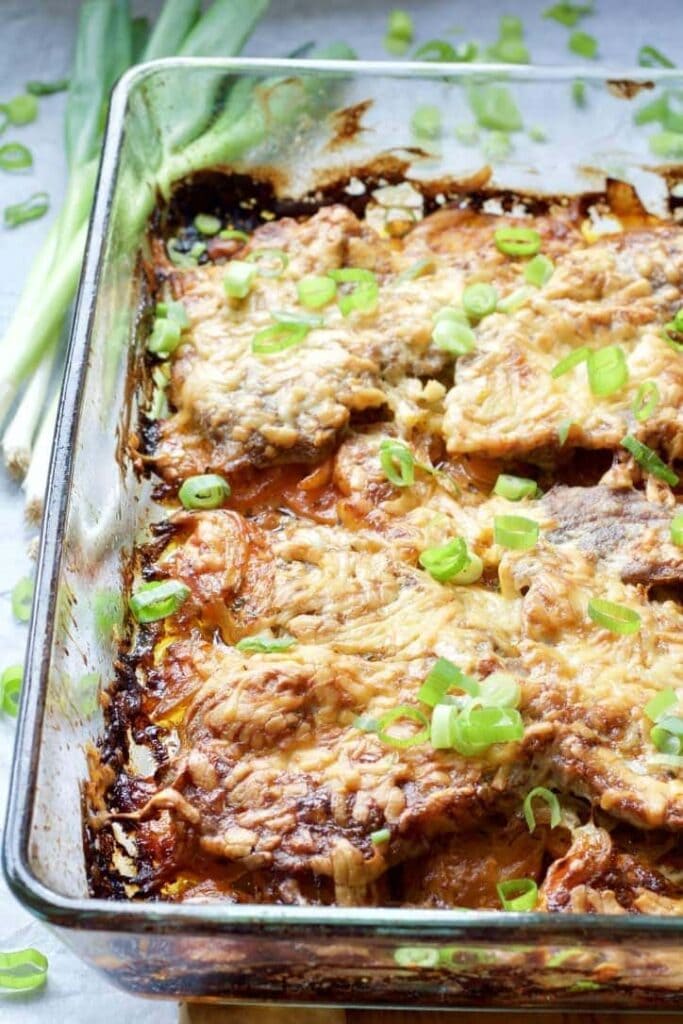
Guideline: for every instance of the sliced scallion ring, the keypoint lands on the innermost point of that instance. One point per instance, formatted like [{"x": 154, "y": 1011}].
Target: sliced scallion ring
[
  {"x": 517, "y": 241},
  {"x": 33, "y": 208},
  {"x": 14, "y": 156},
  {"x": 518, "y": 894},
  {"x": 479, "y": 300},
  {"x": 436, "y": 50},
  {"x": 514, "y": 488},
  {"x": 617, "y": 618},
  {"x": 665, "y": 741},
  {"x": 607, "y": 370},
  {"x": 484, "y": 726},
  {"x": 233, "y": 235},
  {"x": 381, "y": 836},
  {"x": 403, "y": 713},
  {"x": 397, "y": 462},
  {"x": 441, "y": 733},
  {"x": 515, "y": 532},
  {"x": 363, "y": 296},
  {"x": 239, "y": 278},
  {"x": 165, "y": 337},
  {"x": 453, "y": 336},
  {"x": 10, "y": 689},
  {"x": 426, "y": 122},
  {"x": 584, "y": 45},
  {"x": 22, "y": 109},
  {"x": 645, "y": 402},
  {"x": 22, "y": 599},
  {"x": 541, "y": 793},
  {"x": 660, "y": 704},
  {"x": 277, "y": 338},
  {"x": 579, "y": 355},
  {"x": 264, "y": 644},
  {"x": 316, "y": 291},
  {"x": 445, "y": 561},
  {"x": 500, "y": 690},
  {"x": 649, "y": 460},
  {"x": 539, "y": 270},
  {"x": 23, "y": 970},
  {"x": 442, "y": 677},
  {"x": 677, "y": 529},
  {"x": 207, "y": 490},
  {"x": 651, "y": 57},
  {"x": 269, "y": 262},
  {"x": 158, "y": 599},
  {"x": 207, "y": 224}
]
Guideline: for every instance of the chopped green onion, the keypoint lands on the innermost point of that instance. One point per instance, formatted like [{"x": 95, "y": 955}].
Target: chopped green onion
[
  {"x": 442, "y": 726},
  {"x": 649, "y": 460},
  {"x": 418, "y": 269},
  {"x": 568, "y": 13},
  {"x": 315, "y": 291},
  {"x": 363, "y": 296},
  {"x": 667, "y": 144},
  {"x": 445, "y": 561},
  {"x": 517, "y": 241},
  {"x": 651, "y": 57},
  {"x": 442, "y": 677},
  {"x": 206, "y": 224},
  {"x": 672, "y": 335},
  {"x": 269, "y": 262},
  {"x": 440, "y": 51},
  {"x": 400, "y": 27},
  {"x": 579, "y": 355},
  {"x": 500, "y": 690},
  {"x": 402, "y": 713},
  {"x": 677, "y": 529},
  {"x": 673, "y": 724},
  {"x": 579, "y": 95},
  {"x": 47, "y": 88},
  {"x": 479, "y": 300},
  {"x": 607, "y": 370},
  {"x": 426, "y": 122},
  {"x": 515, "y": 300},
  {"x": 165, "y": 337},
  {"x": 514, "y": 488},
  {"x": 416, "y": 956},
  {"x": 584, "y": 45},
  {"x": 453, "y": 336},
  {"x": 181, "y": 258},
  {"x": 381, "y": 836},
  {"x": 515, "y": 532},
  {"x": 277, "y": 338},
  {"x": 239, "y": 279},
  {"x": 497, "y": 146},
  {"x": 471, "y": 572},
  {"x": 518, "y": 894},
  {"x": 22, "y": 599},
  {"x": 264, "y": 644},
  {"x": 660, "y": 704},
  {"x": 14, "y": 156},
  {"x": 537, "y": 134},
  {"x": 509, "y": 51},
  {"x": 615, "y": 617},
  {"x": 563, "y": 431},
  {"x": 366, "y": 723},
  {"x": 539, "y": 270},
  {"x": 395, "y": 45},
  {"x": 10, "y": 689},
  {"x": 494, "y": 107},
  {"x": 233, "y": 235},
  {"x": 22, "y": 109},
  {"x": 541, "y": 793},
  {"x": 451, "y": 313},
  {"x": 158, "y": 599},
  {"x": 467, "y": 134},
  {"x": 175, "y": 311},
  {"x": 645, "y": 402},
  {"x": 207, "y": 490},
  {"x": 482, "y": 727},
  {"x": 33, "y": 208},
  {"x": 665, "y": 741},
  {"x": 308, "y": 320},
  {"x": 397, "y": 461},
  {"x": 24, "y": 970}
]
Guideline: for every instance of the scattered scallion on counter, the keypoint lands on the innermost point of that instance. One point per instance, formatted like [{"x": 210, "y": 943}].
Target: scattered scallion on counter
[
  {"x": 579, "y": 95},
  {"x": 206, "y": 490},
  {"x": 584, "y": 45},
  {"x": 515, "y": 532},
  {"x": 617, "y": 618},
  {"x": 158, "y": 599},
  {"x": 518, "y": 894},
  {"x": 494, "y": 107},
  {"x": 37, "y": 88},
  {"x": 509, "y": 47},
  {"x": 22, "y": 599},
  {"x": 496, "y": 146},
  {"x": 515, "y": 488},
  {"x": 264, "y": 644},
  {"x": 676, "y": 529},
  {"x": 649, "y": 460},
  {"x": 23, "y": 970},
  {"x": 467, "y": 134},
  {"x": 646, "y": 400},
  {"x": 11, "y": 682},
  {"x": 548, "y": 797},
  {"x": 33, "y": 208},
  {"x": 426, "y": 122},
  {"x": 400, "y": 32},
  {"x": 22, "y": 109},
  {"x": 437, "y": 50},
  {"x": 14, "y": 156},
  {"x": 651, "y": 57},
  {"x": 666, "y": 144},
  {"x": 568, "y": 14}
]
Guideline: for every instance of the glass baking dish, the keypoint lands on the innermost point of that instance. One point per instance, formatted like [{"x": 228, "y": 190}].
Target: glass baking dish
[{"x": 348, "y": 117}]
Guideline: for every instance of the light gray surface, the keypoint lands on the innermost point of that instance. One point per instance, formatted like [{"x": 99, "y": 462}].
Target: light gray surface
[{"x": 35, "y": 42}]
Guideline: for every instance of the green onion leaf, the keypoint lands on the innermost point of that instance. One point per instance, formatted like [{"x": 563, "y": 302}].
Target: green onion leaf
[
  {"x": 436, "y": 50},
  {"x": 660, "y": 704},
  {"x": 23, "y": 970},
  {"x": 33, "y": 208},
  {"x": 10, "y": 689},
  {"x": 584, "y": 45},
  {"x": 518, "y": 894},
  {"x": 264, "y": 644},
  {"x": 165, "y": 337},
  {"x": 645, "y": 402},
  {"x": 22, "y": 599},
  {"x": 665, "y": 741},
  {"x": 579, "y": 355},
  {"x": 239, "y": 279},
  {"x": 158, "y": 599},
  {"x": 443, "y": 677},
  {"x": 568, "y": 13},
  {"x": 482, "y": 727},
  {"x": 269, "y": 262},
  {"x": 541, "y": 793},
  {"x": 14, "y": 156},
  {"x": 539, "y": 270},
  {"x": 22, "y": 109},
  {"x": 677, "y": 530},
  {"x": 514, "y": 488},
  {"x": 397, "y": 462},
  {"x": 453, "y": 336},
  {"x": 607, "y": 370},
  {"x": 47, "y": 88},
  {"x": 651, "y": 57},
  {"x": 381, "y": 836},
  {"x": 500, "y": 690},
  {"x": 403, "y": 713},
  {"x": 479, "y": 300},
  {"x": 445, "y": 561},
  {"x": 442, "y": 726},
  {"x": 315, "y": 292},
  {"x": 206, "y": 224},
  {"x": 363, "y": 297},
  {"x": 649, "y": 460},
  {"x": 233, "y": 235},
  {"x": 517, "y": 241},
  {"x": 277, "y": 338},
  {"x": 426, "y": 122},
  {"x": 207, "y": 490},
  {"x": 614, "y": 617},
  {"x": 494, "y": 107},
  {"x": 515, "y": 532}
]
